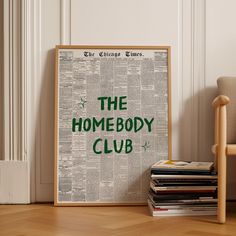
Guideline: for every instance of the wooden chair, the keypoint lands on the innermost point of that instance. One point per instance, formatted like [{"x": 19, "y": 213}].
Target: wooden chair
[{"x": 225, "y": 135}]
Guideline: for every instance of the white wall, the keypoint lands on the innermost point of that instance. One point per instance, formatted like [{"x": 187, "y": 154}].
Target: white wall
[
  {"x": 198, "y": 31},
  {"x": 112, "y": 22}
]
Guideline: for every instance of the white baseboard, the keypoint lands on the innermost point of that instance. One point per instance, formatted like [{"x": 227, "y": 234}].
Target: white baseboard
[{"x": 14, "y": 182}]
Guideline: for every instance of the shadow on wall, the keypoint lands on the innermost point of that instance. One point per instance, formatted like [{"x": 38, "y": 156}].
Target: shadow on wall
[
  {"x": 45, "y": 130},
  {"x": 196, "y": 126},
  {"x": 196, "y": 134}
]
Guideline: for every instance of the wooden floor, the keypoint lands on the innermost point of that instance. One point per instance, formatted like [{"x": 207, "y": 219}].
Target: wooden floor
[{"x": 44, "y": 220}]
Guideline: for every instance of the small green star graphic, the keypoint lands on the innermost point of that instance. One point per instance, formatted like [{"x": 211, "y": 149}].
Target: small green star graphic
[
  {"x": 146, "y": 145},
  {"x": 82, "y": 103}
]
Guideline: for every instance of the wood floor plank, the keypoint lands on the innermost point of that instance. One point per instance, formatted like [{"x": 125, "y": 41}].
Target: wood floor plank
[{"x": 47, "y": 220}]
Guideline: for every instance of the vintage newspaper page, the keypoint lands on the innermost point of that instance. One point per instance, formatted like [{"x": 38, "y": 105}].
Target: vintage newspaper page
[{"x": 112, "y": 123}]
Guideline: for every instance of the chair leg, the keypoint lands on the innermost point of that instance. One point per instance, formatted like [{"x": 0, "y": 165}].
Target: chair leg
[
  {"x": 222, "y": 166},
  {"x": 221, "y": 189}
]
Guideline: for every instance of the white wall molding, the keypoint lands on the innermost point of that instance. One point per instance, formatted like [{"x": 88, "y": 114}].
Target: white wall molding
[
  {"x": 7, "y": 91},
  {"x": 36, "y": 65},
  {"x": 12, "y": 81},
  {"x": 185, "y": 79},
  {"x": 192, "y": 79},
  {"x": 25, "y": 75},
  {"x": 14, "y": 169},
  {"x": 36, "y": 76},
  {"x": 65, "y": 23},
  {"x": 200, "y": 104},
  {"x": 51, "y": 27},
  {"x": 13, "y": 182},
  {"x": 28, "y": 87}
]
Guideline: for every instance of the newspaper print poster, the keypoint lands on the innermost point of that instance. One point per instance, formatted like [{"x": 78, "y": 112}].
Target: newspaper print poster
[{"x": 112, "y": 122}]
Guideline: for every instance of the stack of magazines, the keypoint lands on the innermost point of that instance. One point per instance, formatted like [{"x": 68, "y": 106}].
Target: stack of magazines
[{"x": 182, "y": 188}]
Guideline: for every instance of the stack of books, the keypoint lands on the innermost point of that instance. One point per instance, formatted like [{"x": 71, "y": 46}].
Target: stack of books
[{"x": 182, "y": 188}]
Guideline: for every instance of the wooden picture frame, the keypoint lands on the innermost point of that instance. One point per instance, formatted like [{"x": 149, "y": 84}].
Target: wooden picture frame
[{"x": 129, "y": 78}]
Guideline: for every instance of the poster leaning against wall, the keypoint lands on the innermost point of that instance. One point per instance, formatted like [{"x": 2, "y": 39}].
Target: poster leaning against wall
[{"x": 112, "y": 122}]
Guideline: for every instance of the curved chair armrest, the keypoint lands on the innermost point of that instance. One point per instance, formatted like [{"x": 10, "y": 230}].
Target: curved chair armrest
[{"x": 220, "y": 101}]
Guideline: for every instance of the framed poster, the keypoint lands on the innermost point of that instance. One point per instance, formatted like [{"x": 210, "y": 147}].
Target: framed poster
[{"x": 112, "y": 122}]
